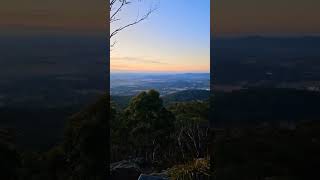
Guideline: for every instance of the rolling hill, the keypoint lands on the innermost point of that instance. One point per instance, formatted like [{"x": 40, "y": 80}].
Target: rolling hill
[{"x": 181, "y": 96}]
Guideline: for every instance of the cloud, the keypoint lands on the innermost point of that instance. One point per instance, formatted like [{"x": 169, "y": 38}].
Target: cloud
[{"x": 138, "y": 59}]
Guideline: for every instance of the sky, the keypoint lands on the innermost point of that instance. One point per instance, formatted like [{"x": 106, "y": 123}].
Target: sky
[
  {"x": 265, "y": 17},
  {"x": 47, "y": 16},
  {"x": 174, "y": 39}
]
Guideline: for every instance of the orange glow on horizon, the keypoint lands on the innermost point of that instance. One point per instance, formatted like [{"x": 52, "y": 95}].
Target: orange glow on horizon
[{"x": 137, "y": 66}]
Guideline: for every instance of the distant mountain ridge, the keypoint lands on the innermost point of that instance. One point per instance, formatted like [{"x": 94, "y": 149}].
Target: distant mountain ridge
[
  {"x": 180, "y": 96},
  {"x": 187, "y": 95}
]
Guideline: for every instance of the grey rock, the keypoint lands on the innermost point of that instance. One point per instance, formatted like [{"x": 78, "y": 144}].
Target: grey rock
[
  {"x": 149, "y": 177},
  {"x": 124, "y": 170}
]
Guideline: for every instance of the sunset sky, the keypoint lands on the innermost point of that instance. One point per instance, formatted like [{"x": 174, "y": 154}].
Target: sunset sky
[
  {"x": 267, "y": 17},
  {"x": 175, "y": 38},
  {"x": 37, "y": 16}
]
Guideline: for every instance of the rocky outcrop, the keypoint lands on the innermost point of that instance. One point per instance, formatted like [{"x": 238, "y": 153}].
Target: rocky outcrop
[
  {"x": 150, "y": 177},
  {"x": 125, "y": 169},
  {"x": 135, "y": 169}
]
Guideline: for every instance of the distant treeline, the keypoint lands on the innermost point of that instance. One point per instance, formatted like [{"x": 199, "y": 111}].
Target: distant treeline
[
  {"x": 257, "y": 106},
  {"x": 180, "y": 96}
]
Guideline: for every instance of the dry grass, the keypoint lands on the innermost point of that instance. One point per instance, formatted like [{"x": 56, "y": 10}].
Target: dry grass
[{"x": 197, "y": 169}]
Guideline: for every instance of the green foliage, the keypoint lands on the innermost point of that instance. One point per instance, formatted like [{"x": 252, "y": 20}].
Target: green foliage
[
  {"x": 85, "y": 141},
  {"x": 81, "y": 155},
  {"x": 178, "y": 97},
  {"x": 191, "y": 128},
  {"x": 162, "y": 135},
  {"x": 187, "y": 96},
  {"x": 145, "y": 128},
  {"x": 9, "y": 157},
  {"x": 148, "y": 124},
  {"x": 257, "y": 153},
  {"x": 121, "y": 102},
  {"x": 191, "y": 112}
]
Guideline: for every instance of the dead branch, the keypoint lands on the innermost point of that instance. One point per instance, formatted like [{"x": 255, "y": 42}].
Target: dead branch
[{"x": 116, "y": 6}]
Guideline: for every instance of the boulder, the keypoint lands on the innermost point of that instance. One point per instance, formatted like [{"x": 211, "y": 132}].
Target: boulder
[
  {"x": 124, "y": 170},
  {"x": 150, "y": 177}
]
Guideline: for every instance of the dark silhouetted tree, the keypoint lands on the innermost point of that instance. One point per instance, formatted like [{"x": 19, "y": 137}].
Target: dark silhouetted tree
[
  {"x": 86, "y": 142},
  {"x": 149, "y": 124},
  {"x": 9, "y": 156}
]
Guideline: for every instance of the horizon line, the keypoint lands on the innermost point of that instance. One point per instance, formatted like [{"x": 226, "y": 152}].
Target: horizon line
[
  {"x": 159, "y": 72},
  {"x": 271, "y": 35}
]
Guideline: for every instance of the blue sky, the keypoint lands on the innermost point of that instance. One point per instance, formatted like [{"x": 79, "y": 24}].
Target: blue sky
[{"x": 175, "y": 38}]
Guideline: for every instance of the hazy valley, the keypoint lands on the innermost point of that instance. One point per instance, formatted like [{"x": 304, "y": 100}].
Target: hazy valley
[{"x": 129, "y": 84}]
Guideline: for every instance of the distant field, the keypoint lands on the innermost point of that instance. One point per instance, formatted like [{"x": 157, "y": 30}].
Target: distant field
[
  {"x": 286, "y": 62},
  {"x": 131, "y": 84}
]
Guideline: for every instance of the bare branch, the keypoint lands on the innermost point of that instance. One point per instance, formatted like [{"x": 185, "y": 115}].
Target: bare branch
[
  {"x": 130, "y": 24},
  {"x": 116, "y": 6}
]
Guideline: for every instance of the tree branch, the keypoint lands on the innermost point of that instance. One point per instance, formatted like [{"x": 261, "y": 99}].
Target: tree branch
[{"x": 115, "y": 12}]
